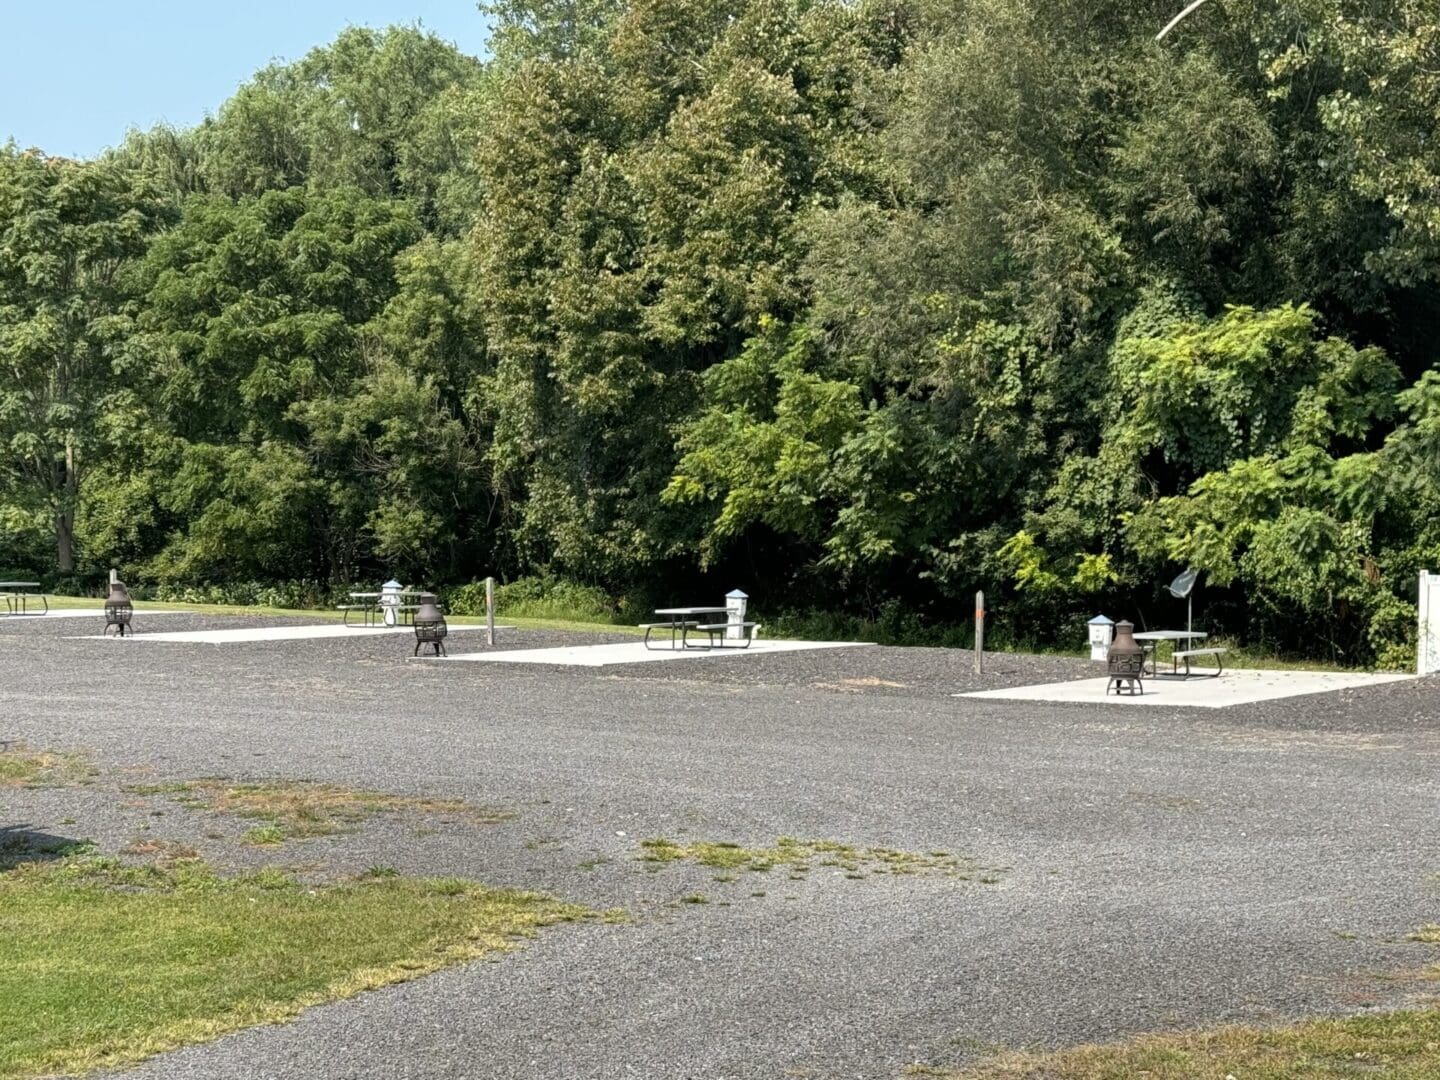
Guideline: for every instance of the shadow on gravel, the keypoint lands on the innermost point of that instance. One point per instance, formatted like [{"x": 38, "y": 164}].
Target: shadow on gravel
[{"x": 22, "y": 844}]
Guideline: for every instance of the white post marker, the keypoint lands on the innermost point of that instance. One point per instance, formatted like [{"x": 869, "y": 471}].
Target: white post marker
[
  {"x": 490, "y": 611},
  {"x": 735, "y": 604},
  {"x": 1102, "y": 632},
  {"x": 1427, "y": 645},
  {"x": 390, "y": 601},
  {"x": 979, "y": 632}
]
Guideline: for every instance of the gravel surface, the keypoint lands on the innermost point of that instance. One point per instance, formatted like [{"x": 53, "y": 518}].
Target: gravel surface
[{"x": 1161, "y": 868}]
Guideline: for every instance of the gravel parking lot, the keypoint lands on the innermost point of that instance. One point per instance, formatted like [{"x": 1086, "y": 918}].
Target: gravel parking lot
[{"x": 1153, "y": 868}]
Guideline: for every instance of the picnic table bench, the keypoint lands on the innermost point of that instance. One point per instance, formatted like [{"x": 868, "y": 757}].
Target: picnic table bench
[
  {"x": 680, "y": 621},
  {"x": 1180, "y": 640},
  {"x": 1217, "y": 653},
  {"x": 718, "y": 631},
  {"x": 370, "y": 607},
  {"x": 682, "y": 627},
  {"x": 19, "y": 594}
]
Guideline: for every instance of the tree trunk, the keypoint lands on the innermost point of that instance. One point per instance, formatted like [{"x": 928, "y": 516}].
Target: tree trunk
[
  {"x": 64, "y": 540},
  {"x": 65, "y": 516}
]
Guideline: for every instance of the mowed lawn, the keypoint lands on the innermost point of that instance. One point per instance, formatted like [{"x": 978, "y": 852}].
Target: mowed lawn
[{"x": 103, "y": 963}]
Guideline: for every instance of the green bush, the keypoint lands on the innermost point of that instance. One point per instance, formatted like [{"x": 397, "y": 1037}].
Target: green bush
[
  {"x": 892, "y": 625},
  {"x": 300, "y": 595},
  {"x": 542, "y": 597}
]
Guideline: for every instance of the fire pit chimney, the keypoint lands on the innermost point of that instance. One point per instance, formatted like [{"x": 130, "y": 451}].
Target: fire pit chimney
[
  {"x": 1125, "y": 661},
  {"x": 119, "y": 609},
  {"x": 430, "y": 628}
]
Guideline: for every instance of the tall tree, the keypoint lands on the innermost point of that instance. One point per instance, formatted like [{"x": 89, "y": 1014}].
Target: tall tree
[{"x": 68, "y": 232}]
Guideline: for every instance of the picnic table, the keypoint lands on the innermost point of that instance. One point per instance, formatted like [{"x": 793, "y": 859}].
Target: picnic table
[
  {"x": 18, "y": 595},
  {"x": 1150, "y": 641},
  {"x": 369, "y": 605},
  {"x": 681, "y": 620}
]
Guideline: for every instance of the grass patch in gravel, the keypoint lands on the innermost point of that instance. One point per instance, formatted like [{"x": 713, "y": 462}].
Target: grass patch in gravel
[
  {"x": 300, "y": 809},
  {"x": 104, "y": 963},
  {"x": 22, "y": 767},
  {"x": 1396, "y": 1046},
  {"x": 800, "y": 856}
]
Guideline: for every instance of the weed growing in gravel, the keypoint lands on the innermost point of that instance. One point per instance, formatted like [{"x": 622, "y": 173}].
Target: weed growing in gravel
[
  {"x": 104, "y": 962},
  {"x": 263, "y": 836},
  {"x": 22, "y": 767},
  {"x": 165, "y": 850},
  {"x": 799, "y": 856},
  {"x": 300, "y": 809},
  {"x": 1396, "y": 1046}
]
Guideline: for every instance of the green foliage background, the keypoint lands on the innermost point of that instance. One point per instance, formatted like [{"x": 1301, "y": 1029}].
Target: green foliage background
[{"x": 861, "y": 305}]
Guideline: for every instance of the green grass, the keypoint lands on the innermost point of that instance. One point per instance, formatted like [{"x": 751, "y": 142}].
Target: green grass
[
  {"x": 21, "y": 766},
  {"x": 301, "y": 809},
  {"x": 102, "y": 964},
  {"x": 799, "y": 856},
  {"x": 330, "y": 615}
]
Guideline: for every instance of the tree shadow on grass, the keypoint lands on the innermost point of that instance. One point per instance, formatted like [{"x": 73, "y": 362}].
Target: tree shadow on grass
[{"x": 22, "y": 844}]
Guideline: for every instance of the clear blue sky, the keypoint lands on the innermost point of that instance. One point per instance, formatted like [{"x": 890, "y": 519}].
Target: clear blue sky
[{"x": 77, "y": 74}]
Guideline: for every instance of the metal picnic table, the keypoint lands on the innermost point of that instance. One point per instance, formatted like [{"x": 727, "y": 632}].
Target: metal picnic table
[
  {"x": 18, "y": 594},
  {"x": 681, "y": 620},
  {"x": 370, "y": 607},
  {"x": 1151, "y": 640}
]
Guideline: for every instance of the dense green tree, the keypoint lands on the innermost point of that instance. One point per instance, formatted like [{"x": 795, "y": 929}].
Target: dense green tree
[
  {"x": 252, "y": 324},
  {"x": 392, "y": 113},
  {"x": 643, "y": 191},
  {"x": 68, "y": 233}
]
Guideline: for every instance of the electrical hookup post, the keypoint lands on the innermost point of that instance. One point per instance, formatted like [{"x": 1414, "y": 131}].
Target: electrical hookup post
[
  {"x": 979, "y": 633},
  {"x": 1427, "y": 645},
  {"x": 490, "y": 611}
]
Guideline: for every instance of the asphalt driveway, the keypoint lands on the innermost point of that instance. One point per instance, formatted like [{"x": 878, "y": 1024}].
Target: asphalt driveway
[{"x": 1147, "y": 868}]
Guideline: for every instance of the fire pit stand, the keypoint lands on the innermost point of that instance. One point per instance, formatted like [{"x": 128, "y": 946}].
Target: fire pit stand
[
  {"x": 1125, "y": 662},
  {"x": 118, "y": 609},
  {"x": 429, "y": 623}
]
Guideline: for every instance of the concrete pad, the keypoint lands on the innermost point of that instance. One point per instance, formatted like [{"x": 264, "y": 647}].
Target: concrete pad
[
  {"x": 1240, "y": 687},
  {"x": 77, "y": 613},
  {"x": 635, "y": 652},
  {"x": 276, "y": 633}
]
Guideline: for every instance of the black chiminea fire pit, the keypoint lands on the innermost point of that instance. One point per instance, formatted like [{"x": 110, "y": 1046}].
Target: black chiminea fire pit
[
  {"x": 1126, "y": 661},
  {"x": 118, "y": 609},
  {"x": 430, "y": 628}
]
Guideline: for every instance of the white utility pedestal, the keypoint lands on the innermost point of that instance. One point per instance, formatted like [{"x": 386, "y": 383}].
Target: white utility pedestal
[
  {"x": 1427, "y": 645},
  {"x": 390, "y": 601},
  {"x": 735, "y": 604},
  {"x": 1102, "y": 632}
]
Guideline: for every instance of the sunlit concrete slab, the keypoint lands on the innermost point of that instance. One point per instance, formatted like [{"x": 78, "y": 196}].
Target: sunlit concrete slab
[
  {"x": 635, "y": 652},
  {"x": 234, "y": 635},
  {"x": 1241, "y": 687}
]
